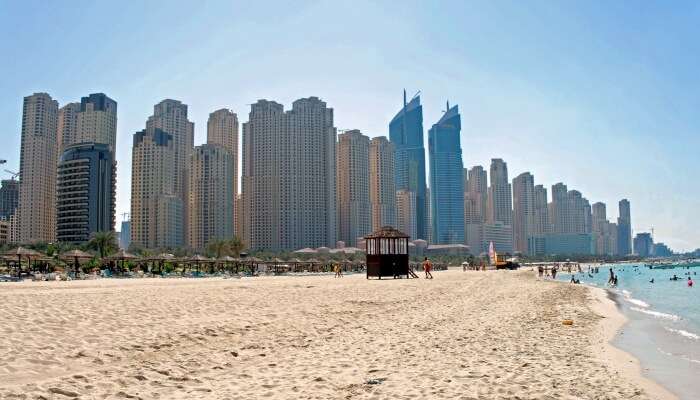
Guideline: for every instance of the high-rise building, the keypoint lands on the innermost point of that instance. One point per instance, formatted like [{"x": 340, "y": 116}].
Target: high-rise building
[
  {"x": 239, "y": 227},
  {"x": 125, "y": 235},
  {"x": 624, "y": 229},
  {"x": 406, "y": 212},
  {"x": 170, "y": 116},
  {"x": 406, "y": 134},
  {"x": 222, "y": 130},
  {"x": 542, "y": 224},
  {"x": 211, "y": 197},
  {"x": 475, "y": 209},
  {"x": 85, "y": 192},
  {"x": 523, "y": 210},
  {"x": 68, "y": 126},
  {"x": 353, "y": 176},
  {"x": 500, "y": 235},
  {"x": 97, "y": 121},
  {"x": 446, "y": 179},
  {"x": 382, "y": 184},
  {"x": 156, "y": 213},
  {"x": 643, "y": 244},
  {"x": 9, "y": 198},
  {"x": 37, "y": 169},
  {"x": 289, "y": 175},
  {"x": 500, "y": 198}
]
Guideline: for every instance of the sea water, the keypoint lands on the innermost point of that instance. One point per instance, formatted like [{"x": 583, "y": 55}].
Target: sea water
[{"x": 663, "y": 331}]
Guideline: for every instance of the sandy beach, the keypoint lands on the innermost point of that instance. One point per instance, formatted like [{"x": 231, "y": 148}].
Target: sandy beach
[{"x": 463, "y": 335}]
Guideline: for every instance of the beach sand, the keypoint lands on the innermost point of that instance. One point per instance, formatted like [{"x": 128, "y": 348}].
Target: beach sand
[{"x": 462, "y": 335}]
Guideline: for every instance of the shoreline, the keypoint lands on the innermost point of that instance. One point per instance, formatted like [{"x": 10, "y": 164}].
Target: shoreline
[{"x": 628, "y": 366}]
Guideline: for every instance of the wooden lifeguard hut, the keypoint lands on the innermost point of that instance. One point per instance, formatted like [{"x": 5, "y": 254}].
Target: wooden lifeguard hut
[{"x": 387, "y": 253}]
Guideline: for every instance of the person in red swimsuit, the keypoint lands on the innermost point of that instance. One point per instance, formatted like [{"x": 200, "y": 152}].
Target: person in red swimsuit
[{"x": 427, "y": 267}]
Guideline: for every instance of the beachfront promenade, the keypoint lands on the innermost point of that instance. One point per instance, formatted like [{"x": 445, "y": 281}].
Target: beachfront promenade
[{"x": 468, "y": 335}]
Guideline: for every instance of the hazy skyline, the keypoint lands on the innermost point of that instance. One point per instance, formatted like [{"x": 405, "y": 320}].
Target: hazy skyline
[{"x": 566, "y": 91}]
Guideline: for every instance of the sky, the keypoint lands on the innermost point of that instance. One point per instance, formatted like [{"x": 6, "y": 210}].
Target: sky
[{"x": 601, "y": 95}]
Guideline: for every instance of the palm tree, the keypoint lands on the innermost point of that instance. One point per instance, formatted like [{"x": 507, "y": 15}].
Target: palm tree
[
  {"x": 236, "y": 246},
  {"x": 217, "y": 248},
  {"x": 104, "y": 242}
]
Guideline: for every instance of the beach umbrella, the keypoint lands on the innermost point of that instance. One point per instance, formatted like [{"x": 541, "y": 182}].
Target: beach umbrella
[
  {"x": 20, "y": 252},
  {"x": 76, "y": 255},
  {"x": 122, "y": 256}
]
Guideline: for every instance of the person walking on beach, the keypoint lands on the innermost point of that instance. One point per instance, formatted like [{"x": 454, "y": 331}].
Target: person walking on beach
[
  {"x": 338, "y": 271},
  {"x": 540, "y": 271},
  {"x": 612, "y": 277},
  {"x": 427, "y": 267},
  {"x": 554, "y": 272}
]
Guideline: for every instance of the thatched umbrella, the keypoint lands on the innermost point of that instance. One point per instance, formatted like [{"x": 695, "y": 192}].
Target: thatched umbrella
[
  {"x": 122, "y": 256},
  {"x": 296, "y": 262},
  {"x": 198, "y": 259},
  {"x": 76, "y": 255},
  {"x": 226, "y": 260},
  {"x": 313, "y": 263},
  {"x": 20, "y": 252}
]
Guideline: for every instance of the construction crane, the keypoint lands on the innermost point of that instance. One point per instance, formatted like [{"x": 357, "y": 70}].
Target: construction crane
[{"x": 14, "y": 174}]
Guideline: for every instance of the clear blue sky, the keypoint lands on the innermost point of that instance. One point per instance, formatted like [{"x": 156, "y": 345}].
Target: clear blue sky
[{"x": 603, "y": 96}]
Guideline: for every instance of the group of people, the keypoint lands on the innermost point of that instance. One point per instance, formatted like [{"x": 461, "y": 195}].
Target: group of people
[
  {"x": 543, "y": 272},
  {"x": 612, "y": 281},
  {"x": 675, "y": 278}
]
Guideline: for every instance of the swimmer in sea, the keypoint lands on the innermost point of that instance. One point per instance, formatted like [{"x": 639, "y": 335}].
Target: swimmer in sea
[
  {"x": 690, "y": 282},
  {"x": 652, "y": 280}
]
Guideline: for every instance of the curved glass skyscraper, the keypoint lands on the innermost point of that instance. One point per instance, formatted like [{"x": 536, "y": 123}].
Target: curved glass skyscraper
[
  {"x": 406, "y": 134},
  {"x": 446, "y": 179}
]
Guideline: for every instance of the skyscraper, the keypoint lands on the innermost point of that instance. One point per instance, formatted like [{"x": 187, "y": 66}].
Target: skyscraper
[
  {"x": 222, "y": 130},
  {"x": 9, "y": 198},
  {"x": 352, "y": 166},
  {"x": 599, "y": 227},
  {"x": 475, "y": 209},
  {"x": 86, "y": 192},
  {"x": 37, "y": 169},
  {"x": 289, "y": 175},
  {"x": 500, "y": 198},
  {"x": 68, "y": 126},
  {"x": 156, "y": 213},
  {"x": 523, "y": 210},
  {"x": 97, "y": 121},
  {"x": 446, "y": 179},
  {"x": 643, "y": 244},
  {"x": 624, "y": 229},
  {"x": 406, "y": 212},
  {"x": 211, "y": 196},
  {"x": 170, "y": 116},
  {"x": 542, "y": 225},
  {"x": 406, "y": 134},
  {"x": 382, "y": 184}
]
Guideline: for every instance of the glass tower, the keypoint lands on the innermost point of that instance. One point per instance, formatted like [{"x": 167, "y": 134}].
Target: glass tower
[
  {"x": 406, "y": 134},
  {"x": 447, "y": 179}
]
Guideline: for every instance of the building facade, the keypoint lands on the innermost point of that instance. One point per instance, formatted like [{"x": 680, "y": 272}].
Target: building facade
[
  {"x": 382, "y": 184},
  {"x": 211, "y": 196},
  {"x": 406, "y": 134},
  {"x": 9, "y": 198},
  {"x": 97, "y": 120},
  {"x": 406, "y": 212},
  {"x": 643, "y": 244},
  {"x": 222, "y": 130},
  {"x": 37, "y": 169},
  {"x": 85, "y": 192},
  {"x": 624, "y": 229},
  {"x": 523, "y": 211},
  {"x": 446, "y": 179},
  {"x": 289, "y": 176},
  {"x": 155, "y": 208},
  {"x": 68, "y": 126},
  {"x": 170, "y": 116},
  {"x": 353, "y": 180}
]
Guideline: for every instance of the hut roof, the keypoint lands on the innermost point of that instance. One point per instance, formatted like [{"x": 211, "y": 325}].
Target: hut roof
[
  {"x": 22, "y": 251},
  {"x": 387, "y": 232},
  {"x": 226, "y": 259},
  {"x": 122, "y": 255},
  {"x": 76, "y": 254}
]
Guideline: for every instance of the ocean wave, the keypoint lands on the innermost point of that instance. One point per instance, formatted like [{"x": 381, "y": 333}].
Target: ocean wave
[
  {"x": 628, "y": 297},
  {"x": 689, "y": 335},
  {"x": 656, "y": 314}
]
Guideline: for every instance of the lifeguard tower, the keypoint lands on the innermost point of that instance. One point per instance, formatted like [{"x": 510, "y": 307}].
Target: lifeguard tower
[{"x": 387, "y": 253}]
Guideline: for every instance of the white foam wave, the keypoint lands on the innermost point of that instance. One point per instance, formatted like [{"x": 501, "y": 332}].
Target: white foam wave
[
  {"x": 691, "y": 360},
  {"x": 689, "y": 335},
  {"x": 637, "y": 302},
  {"x": 656, "y": 314}
]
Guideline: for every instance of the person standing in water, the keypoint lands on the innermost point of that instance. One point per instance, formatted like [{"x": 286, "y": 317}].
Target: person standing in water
[
  {"x": 612, "y": 277},
  {"x": 690, "y": 282}
]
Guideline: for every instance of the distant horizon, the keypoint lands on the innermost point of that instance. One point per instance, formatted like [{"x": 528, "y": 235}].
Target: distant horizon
[{"x": 564, "y": 93}]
